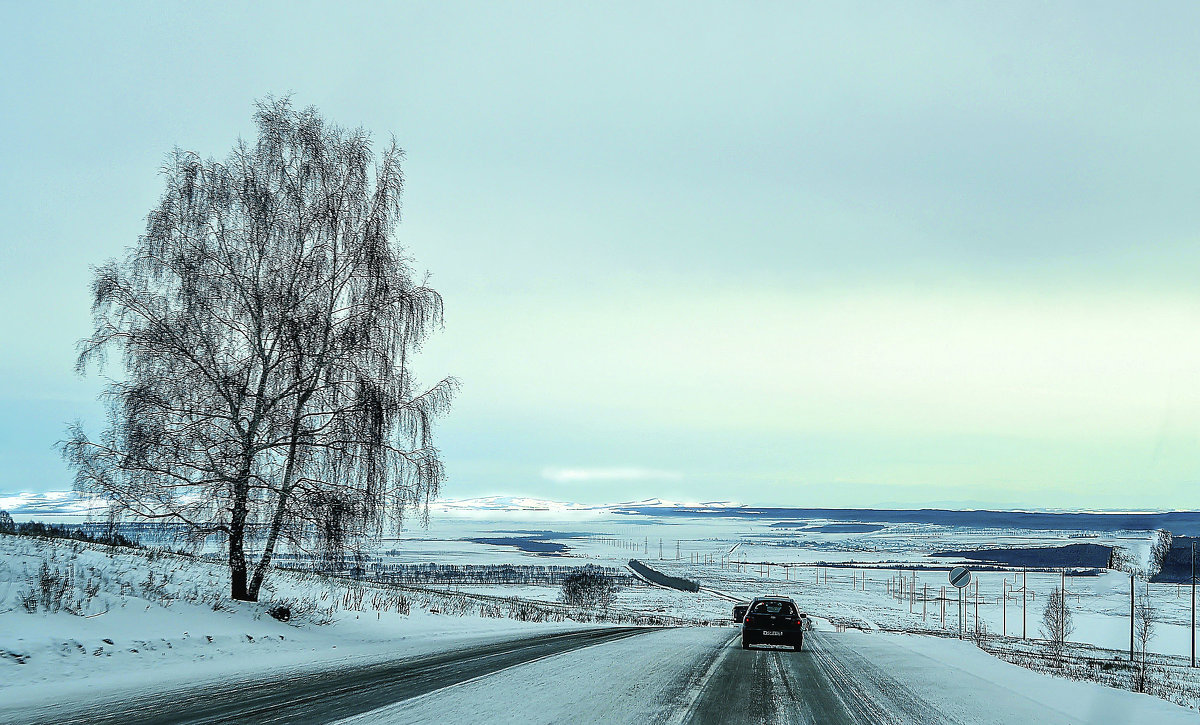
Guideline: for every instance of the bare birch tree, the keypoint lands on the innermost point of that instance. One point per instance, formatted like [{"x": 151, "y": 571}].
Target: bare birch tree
[
  {"x": 265, "y": 323},
  {"x": 1144, "y": 620},
  {"x": 1057, "y": 621}
]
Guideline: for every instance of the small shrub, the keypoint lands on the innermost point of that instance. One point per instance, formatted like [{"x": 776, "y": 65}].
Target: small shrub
[
  {"x": 588, "y": 586},
  {"x": 50, "y": 590},
  {"x": 280, "y": 611}
]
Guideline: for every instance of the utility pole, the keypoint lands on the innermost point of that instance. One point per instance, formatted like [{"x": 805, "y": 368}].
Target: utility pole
[
  {"x": 912, "y": 592},
  {"x": 1193, "y": 603},
  {"x": 1024, "y": 595},
  {"x": 1131, "y": 616},
  {"x": 1004, "y": 617},
  {"x": 660, "y": 549},
  {"x": 977, "y": 609},
  {"x": 924, "y": 601},
  {"x": 1062, "y": 606}
]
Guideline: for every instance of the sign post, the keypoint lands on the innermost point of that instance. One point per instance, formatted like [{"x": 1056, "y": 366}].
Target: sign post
[{"x": 960, "y": 577}]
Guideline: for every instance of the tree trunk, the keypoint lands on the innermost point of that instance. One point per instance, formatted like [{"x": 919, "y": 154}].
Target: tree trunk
[
  {"x": 285, "y": 489},
  {"x": 260, "y": 571},
  {"x": 237, "y": 568},
  {"x": 237, "y": 544}
]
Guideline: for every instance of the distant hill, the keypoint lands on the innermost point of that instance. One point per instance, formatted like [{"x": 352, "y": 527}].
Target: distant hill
[{"x": 1180, "y": 523}]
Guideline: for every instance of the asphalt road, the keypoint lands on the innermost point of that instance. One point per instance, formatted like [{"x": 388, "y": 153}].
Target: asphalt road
[
  {"x": 826, "y": 682},
  {"x": 328, "y": 696},
  {"x": 855, "y": 679},
  {"x": 696, "y": 676}
]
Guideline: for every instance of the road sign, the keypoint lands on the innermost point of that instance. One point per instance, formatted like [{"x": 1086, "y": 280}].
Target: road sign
[{"x": 960, "y": 576}]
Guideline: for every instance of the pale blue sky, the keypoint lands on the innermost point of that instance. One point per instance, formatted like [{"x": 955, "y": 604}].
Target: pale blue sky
[{"x": 818, "y": 254}]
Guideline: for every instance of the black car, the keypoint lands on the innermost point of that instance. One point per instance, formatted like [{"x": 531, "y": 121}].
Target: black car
[
  {"x": 739, "y": 612},
  {"x": 774, "y": 620}
]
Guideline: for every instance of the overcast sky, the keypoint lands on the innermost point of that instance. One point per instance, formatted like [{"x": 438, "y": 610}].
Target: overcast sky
[{"x": 816, "y": 254}]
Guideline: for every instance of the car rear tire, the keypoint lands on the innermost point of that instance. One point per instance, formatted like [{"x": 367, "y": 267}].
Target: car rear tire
[{"x": 745, "y": 644}]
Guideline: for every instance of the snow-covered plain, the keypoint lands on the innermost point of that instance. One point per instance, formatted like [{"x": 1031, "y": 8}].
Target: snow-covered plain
[{"x": 709, "y": 547}]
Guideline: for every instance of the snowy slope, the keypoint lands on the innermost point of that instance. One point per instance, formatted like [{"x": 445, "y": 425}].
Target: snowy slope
[{"x": 163, "y": 620}]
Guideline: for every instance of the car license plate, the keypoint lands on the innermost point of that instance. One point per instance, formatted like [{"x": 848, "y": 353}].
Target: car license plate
[{"x": 773, "y": 634}]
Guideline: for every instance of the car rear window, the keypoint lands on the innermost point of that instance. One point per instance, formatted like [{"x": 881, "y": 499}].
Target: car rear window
[{"x": 768, "y": 607}]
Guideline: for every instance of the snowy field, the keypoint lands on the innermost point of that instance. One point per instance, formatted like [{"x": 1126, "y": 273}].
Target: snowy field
[
  {"x": 860, "y": 589},
  {"x": 747, "y": 555}
]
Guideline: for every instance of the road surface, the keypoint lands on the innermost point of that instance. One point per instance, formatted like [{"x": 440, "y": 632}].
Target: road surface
[
  {"x": 675, "y": 676},
  {"x": 703, "y": 676},
  {"x": 327, "y": 696}
]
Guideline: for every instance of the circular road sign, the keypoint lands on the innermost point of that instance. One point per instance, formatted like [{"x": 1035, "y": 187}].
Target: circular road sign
[{"x": 960, "y": 576}]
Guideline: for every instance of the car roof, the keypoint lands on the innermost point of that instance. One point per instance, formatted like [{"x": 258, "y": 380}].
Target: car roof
[{"x": 774, "y": 598}]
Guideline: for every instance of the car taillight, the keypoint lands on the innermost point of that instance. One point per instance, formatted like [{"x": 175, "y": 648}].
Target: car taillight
[{"x": 800, "y": 622}]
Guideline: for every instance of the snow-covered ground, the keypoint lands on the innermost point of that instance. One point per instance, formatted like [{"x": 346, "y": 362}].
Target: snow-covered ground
[
  {"x": 163, "y": 621},
  {"x": 707, "y": 548}
]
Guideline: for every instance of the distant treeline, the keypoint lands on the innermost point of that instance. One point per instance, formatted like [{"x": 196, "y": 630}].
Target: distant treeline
[
  {"x": 1177, "y": 566},
  {"x": 67, "y": 531},
  {"x": 1094, "y": 556},
  {"x": 488, "y": 574},
  {"x": 374, "y": 568},
  {"x": 674, "y": 582}
]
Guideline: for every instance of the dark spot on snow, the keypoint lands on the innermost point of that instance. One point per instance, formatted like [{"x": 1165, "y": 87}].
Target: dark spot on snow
[
  {"x": 1090, "y": 555},
  {"x": 106, "y": 641},
  {"x": 19, "y": 659},
  {"x": 531, "y": 544},
  {"x": 545, "y": 534},
  {"x": 208, "y": 638}
]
